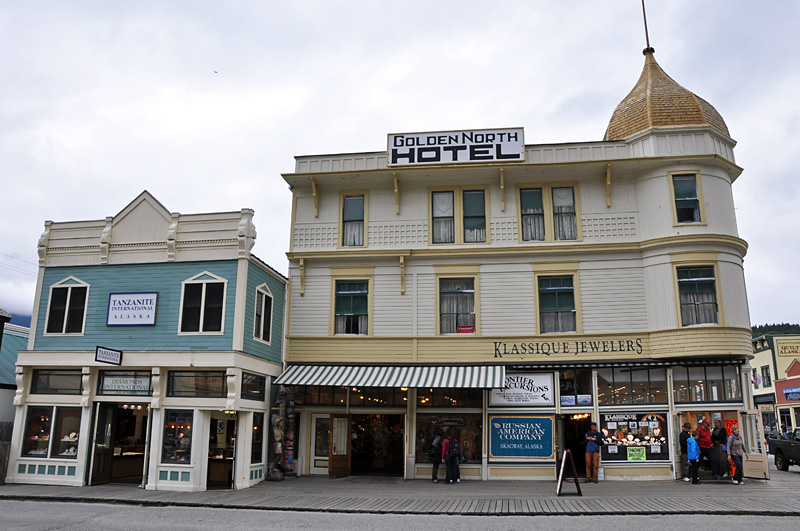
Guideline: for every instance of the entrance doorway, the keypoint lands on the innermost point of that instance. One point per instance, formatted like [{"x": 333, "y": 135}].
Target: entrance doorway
[
  {"x": 221, "y": 449},
  {"x": 572, "y": 431},
  {"x": 377, "y": 445},
  {"x": 119, "y": 443}
]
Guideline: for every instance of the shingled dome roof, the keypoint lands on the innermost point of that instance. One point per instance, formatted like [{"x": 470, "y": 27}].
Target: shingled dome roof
[{"x": 658, "y": 101}]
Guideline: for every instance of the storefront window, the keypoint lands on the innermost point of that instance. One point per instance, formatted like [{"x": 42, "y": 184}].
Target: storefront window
[
  {"x": 313, "y": 395},
  {"x": 37, "y": 432},
  {"x": 257, "y": 451},
  {"x": 65, "y": 436},
  {"x": 56, "y": 382},
  {"x": 626, "y": 385},
  {"x": 467, "y": 428},
  {"x": 197, "y": 384},
  {"x": 634, "y": 436},
  {"x": 177, "y": 436},
  {"x": 253, "y": 386},
  {"x": 456, "y": 397},
  {"x": 575, "y": 387},
  {"x": 701, "y": 384},
  {"x": 378, "y": 396}
]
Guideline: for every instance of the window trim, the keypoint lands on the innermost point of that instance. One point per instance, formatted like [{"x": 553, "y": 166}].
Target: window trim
[
  {"x": 364, "y": 239},
  {"x": 701, "y": 207},
  {"x": 206, "y": 277},
  {"x": 559, "y": 269},
  {"x": 351, "y": 273},
  {"x": 697, "y": 259},
  {"x": 264, "y": 290},
  {"x": 549, "y": 213},
  {"x": 458, "y": 271},
  {"x": 765, "y": 370},
  {"x": 458, "y": 213},
  {"x": 68, "y": 282}
]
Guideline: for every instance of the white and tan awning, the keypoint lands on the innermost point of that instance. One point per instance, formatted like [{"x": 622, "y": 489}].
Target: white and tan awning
[{"x": 472, "y": 376}]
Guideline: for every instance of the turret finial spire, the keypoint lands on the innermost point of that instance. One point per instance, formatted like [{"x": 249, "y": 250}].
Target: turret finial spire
[{"x": 649, "y": 49}]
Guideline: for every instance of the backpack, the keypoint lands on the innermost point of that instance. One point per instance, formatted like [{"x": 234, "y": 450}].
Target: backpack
[{"x": 455, "y": 448}]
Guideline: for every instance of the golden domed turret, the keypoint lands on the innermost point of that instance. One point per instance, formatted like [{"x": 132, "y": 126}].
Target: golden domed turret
[{"x": 658, "y": 101}]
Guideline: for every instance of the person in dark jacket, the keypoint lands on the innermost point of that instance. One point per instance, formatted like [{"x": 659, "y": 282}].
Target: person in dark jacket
[
  {"x": 594, "y": 440},
  {"x": 719, "y": 436},
  {"x": 435, "y": 454},
  {"x": 686, "y": 434},
  {"x": 448, "y": 459}
]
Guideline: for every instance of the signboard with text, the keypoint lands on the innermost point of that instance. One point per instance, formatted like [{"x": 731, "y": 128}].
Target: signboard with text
[
  {"x": 787, "y": 347},
  {"x": 132, "y": 309},
  {"x": 521, "y": 438},
  {"x": 108, "y": 355},
  {"x": 456, "y": 147},
  {"x": 524, "y": 390}
]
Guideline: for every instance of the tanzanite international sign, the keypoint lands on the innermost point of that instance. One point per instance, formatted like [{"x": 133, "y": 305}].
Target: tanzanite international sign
[
  {"x": 456, "y": 147},
  {"x": 521, "y": 438},
  {"x": 132, "y": 309}
]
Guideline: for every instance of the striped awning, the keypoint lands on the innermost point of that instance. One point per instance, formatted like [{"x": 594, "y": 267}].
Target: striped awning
[{"x": 475, "y": 376}]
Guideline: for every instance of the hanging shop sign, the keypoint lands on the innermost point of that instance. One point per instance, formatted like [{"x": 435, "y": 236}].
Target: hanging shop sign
[
  {"x": 108, "y": 355},
  {"x": 521, "y": 438},
  {"x": 456, "y": 147},
  {"x": 132, "y": 309},
  {"x": 524, "y": 390}
]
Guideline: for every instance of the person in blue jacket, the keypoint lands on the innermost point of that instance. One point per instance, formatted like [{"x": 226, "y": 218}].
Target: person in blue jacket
[{"x": 693, "y": 453}]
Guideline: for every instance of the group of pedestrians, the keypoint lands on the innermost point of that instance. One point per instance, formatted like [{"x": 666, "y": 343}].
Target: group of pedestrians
[
  {"x": 446, "y": 448},
  {"x": 717, "y": 446}
]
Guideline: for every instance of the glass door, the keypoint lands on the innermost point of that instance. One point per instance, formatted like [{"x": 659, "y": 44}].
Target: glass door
[
  {"x": 754, "y": 464},
  {"x": 320, "y": 443},
  {"x": 677, "y": 463},
  {"x": 339, "y": 460},
  {"x": 104, "y": 437}
]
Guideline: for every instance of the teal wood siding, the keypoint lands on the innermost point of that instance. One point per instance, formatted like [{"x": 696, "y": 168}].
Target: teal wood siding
[
  {"x": 256, "y": 276},
  {"x": 166, "y": 279}
]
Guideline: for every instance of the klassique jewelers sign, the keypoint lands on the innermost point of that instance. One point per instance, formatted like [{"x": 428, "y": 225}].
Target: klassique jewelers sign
[
  {"x": 455, "y": 147},
  {"x": 548, "y": 348},
  {"x": 132, "y": 309}
]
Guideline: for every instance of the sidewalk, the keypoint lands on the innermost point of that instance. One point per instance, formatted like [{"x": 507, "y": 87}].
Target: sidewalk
[{"x": 397, "y": 496}]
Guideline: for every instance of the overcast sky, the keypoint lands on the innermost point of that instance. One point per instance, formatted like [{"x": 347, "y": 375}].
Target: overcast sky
[{"x": 205, "y": 103}]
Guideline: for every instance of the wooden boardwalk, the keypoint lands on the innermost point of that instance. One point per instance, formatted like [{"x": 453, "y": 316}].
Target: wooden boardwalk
[{"x": 395, "y": 496}]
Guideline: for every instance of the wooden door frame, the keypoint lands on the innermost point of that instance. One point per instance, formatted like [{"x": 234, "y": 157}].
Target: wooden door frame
[{"x": 340, "y": 465}]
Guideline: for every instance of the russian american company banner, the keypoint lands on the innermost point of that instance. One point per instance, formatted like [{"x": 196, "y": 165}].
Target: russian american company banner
[
  {"x": 456, "y": 147},
  {"x": 521, "y": 438}
]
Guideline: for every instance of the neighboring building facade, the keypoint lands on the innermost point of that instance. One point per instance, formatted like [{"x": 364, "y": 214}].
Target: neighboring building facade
[
  {"x": 154, "y": 340},
  {"x": 776, "y": 380},
  {"x": 15, "y": 338},
  {"x": 465, "y": 282}
]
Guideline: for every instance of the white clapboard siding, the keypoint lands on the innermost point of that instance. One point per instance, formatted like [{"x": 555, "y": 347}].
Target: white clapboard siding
[
  {"x": 507, "y": 303},
  {"x": 393, "y": 312},
  {"x": 612, "y": 299},
  {"x": 311, "y": 313}
]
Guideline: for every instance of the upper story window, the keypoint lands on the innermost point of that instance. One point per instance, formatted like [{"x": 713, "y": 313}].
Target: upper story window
[
  {"x": 556, "y": 304},
  {"x": 706, "y": 384},
  {"x": 203, "y": 304},
  {"x": 459, "y": 216},
  {"x": 443, "y": 214},
  {"x": 351, "y": 307},
  {"x": 474, "y": 216},
  {"x": 766, "y": 377},
  {"x": 66, "y": 312},
  {"x": 686, "y": 192},
  {"x": 548, "y": 213},
  {"x": 698, "y": 295},
  {"x": 262, "y": 327},
  {"x": 457, "y": 305},
  {"x": 353, "y": 216}
]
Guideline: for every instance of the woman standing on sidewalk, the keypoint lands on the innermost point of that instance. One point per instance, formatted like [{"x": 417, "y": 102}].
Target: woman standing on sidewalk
[{"x": 735, "y": 452}]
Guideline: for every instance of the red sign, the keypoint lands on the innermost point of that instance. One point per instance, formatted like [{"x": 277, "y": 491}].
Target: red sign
[{"x": 466, "y": 329}]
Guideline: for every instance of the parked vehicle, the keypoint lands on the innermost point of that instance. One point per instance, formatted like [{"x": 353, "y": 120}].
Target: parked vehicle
[{"x": 786, "y": 450}]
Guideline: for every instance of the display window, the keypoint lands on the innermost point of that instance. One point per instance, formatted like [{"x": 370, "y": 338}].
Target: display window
[
  {"x": 37, "y": 432},
  {"x": 65, "y": 435},
  {"x": 257, "y": 448},
  {"x": 197, "y": 383},
  {"x": 467, "y": 428},
  {"x": 575, "y": 387},
  {"x": 634, "y": 436},
  {"x": 378, "y": 396},
  {"x": 254, "y": 387},
  {"x": 56, "y": 382},
  {"x": 177, "y": 436},
  {"x": 322, "y": 395}
]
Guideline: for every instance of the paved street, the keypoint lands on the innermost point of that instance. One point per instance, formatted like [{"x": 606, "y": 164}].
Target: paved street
[{"x": 777, "y": 497}]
